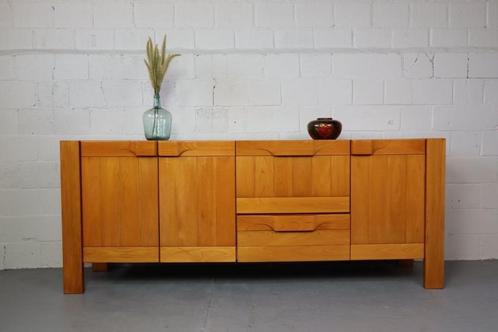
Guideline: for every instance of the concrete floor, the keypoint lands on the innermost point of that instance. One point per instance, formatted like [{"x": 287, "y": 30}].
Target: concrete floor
[{"x": 353, "y": 296}]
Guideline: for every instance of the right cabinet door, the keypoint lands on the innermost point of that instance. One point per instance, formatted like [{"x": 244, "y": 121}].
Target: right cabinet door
[{"x": 387, "y": 199}]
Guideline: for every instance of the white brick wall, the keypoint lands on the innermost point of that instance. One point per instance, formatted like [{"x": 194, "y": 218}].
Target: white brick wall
[{"x": 249, "y": 69}]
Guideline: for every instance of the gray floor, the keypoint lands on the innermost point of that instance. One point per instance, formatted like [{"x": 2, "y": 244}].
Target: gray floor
[{"x": 374, "y": 296}]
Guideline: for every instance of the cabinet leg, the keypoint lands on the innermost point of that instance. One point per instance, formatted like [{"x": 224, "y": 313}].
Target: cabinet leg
[
  {"x": 100, "y": 267},
  {"x": 434, "y": 214}
]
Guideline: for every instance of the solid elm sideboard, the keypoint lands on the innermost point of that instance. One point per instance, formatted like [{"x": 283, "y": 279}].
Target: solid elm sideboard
[{"x": 252, "y": 201}]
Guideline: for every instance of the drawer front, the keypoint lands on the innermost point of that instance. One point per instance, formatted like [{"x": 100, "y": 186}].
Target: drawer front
[
  {"x": 292, "y": 177},
  {"x": 276, "y": 238}
]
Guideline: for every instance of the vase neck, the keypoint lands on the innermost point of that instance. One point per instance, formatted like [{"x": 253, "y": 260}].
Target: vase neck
[{"x": 157, "y": 101}]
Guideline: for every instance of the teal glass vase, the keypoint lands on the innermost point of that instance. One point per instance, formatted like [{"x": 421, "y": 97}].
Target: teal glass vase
[{"x": 157, "y": 122}]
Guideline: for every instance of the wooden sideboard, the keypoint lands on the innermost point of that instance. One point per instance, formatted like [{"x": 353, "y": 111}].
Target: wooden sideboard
[{"x": 252, "y": 201}]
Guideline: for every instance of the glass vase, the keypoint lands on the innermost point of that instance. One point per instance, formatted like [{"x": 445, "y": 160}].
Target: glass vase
[{"x": 157, "y": 122}]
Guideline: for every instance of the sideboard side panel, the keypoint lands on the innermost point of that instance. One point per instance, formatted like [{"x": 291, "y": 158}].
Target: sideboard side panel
[
  {"x": 434, "y": 214},
  {"x": 71, "y": 217}
]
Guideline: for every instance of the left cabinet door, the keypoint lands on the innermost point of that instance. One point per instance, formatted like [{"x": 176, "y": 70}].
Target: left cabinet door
[{"x": 120, "y": 201}]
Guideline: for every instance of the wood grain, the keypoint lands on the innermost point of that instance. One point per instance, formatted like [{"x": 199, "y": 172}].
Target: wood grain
[
  {"x": 387, "y": 199},
  {"x": 434, "y": 214},
  {"x": 71, "y": 217},
  {"x": 388, "y": 147},
  {"x": 120, "y": 201},
  {"x": 118, "y": 148},
  {"x": 387, "y": 251},
  {"x": 292, "y": 205},
  {"x": 121, "y": 254},
  {"x": 196, "y": 148},
  {"x": 301, "y": 148},
  {"x": 197, "y": 254},
  {"x": 293, "y": 253},
  {"x": 197, "y": 201}
]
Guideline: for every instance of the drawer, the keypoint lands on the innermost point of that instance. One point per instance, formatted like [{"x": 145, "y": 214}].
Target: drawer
[
  {"x": 273, "y": 238},
  {"x": 292, "y": 177}
]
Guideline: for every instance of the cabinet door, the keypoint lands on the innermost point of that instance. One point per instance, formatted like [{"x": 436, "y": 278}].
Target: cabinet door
[
  {"x": 120, "y": 201},
  {"x": 197, "y": 201},
  {"x": 387, "y": 198},
  {"x": 292, "y": 177}
]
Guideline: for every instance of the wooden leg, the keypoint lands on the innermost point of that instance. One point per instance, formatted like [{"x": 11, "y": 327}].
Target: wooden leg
[
  {"x": 434, "y": 214},
  {"x": 72, "y": 255},
  {"x": 100, "y": 267}
]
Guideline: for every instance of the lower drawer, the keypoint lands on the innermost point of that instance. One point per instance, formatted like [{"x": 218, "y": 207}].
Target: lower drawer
[{"x": 274, "y": 238}]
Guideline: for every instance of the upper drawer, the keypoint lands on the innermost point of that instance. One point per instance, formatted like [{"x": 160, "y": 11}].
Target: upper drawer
[
  {"x": 292, "y": 148},
  {"x": 196, "y": 148},
  {"x": 118, "y": 149}
]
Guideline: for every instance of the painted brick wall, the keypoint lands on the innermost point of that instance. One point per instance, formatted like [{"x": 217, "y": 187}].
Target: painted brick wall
[{"x": 250, "y": 69}]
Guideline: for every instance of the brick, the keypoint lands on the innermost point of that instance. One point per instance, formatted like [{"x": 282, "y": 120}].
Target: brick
[
  {"x": 314, "y": 14},
  {"x": 94, "y": 39},
  {"x": 417, "y": 66},
  {"x": 490, "y": 143},
  {"x": 489, "y": 195},
  {"x": 210, "y": 66},
  {"x": 21, "y": 254},
  {"x": 37, "y": 175},
  {"x": 264, "y": 92},
  {"x": 8, "y": 121},
  {"x": 465, "y": 247},
  {"x": 86, "y": 93},
  {"x": 122, "y": 93},
  {"x": 334, "y": 92},
  {"x": 450, "y": 65},
  {"x": 359, "y": 66},
  {"x": 303, "y": 92},
  {"x": 71, "y": 122},
  {"x": 449, "y": 37},
  {"x": 432, "y": 92},
  {"x": 471, "y": 170},
  {"x": 36, "y": 122},
  {"x": 415, "y": 118},
  {"x": 73, "y": 15},
  {"x": 429, "y": 15},
  {"x": 71, "y": 67},
  {"x": 197, "y": 92},
  {"x": 194, "y": 14},
  {"x": 274, "y": 15},
  {"x": 398, "y": 92},
  {"x": 50, "y": 254},
  {"x": 12, "y": 39},
  {"x": 107, "y": 122},
  {"x": 389, "y": 14},
  {"x": 330, "y": 38},
  {"x": 33, "y": 15},
  {"x": 491, "y": 92},
  {"x": 355, "y": 14},
  {"x": 468, "y": 91},
  {"x": 133, "y": 39},
  {"x": 176, "y": 39},
  {"x": 372, "y": 118},
  {"x": 372, "y": 38},
  {"x": 295, "y": 38},
  {"x": 53, "y": 94},
  {"x": 465, "y": 144},
  {"x": 282, "y": 66},
  {"x": 468, "y": 15},
  {"x": 368, "y": 92},
  {"x": 230, "y": 92},
  {"x": 19, "y": 148},
  {"x": 245, "y": 65},
  {"x": 465, "y": 117},
  {"x": 214, "y": 39},
  {"x": 254, "y": 39},
  {"x": 16, "y": 94},
  {"x": 483, "y": 65},
  {"x": 233, "y": 15},
  {"x": 35, "y": 67},
  {"x": 407, "y": 38},
  {"x": 471, "y": 221},
  {"x": 6, "y": 20},
  {"x": 492, "y": 14},
  {"x": 113, "y": 14},
  {"x": 483, "y": 37},
  {"x": 489, "y": 247},
  {"x": 153, "y": 15},
  {"x": 7, "y": 67},
  {"x": 315, "y": 65},
  {"x": 54, "y": 39}
]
